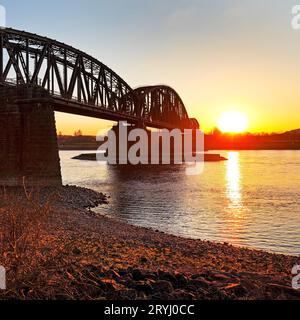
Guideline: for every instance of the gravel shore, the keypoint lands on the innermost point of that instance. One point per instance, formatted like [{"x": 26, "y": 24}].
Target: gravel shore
[{"x": 83, "y": 255}]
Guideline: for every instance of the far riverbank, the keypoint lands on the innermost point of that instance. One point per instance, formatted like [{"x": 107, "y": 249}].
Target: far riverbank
[{"x": 217, "y": 141}]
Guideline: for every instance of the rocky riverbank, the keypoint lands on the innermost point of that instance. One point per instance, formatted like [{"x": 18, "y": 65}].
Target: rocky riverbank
[{"x": 81, "y": 255}]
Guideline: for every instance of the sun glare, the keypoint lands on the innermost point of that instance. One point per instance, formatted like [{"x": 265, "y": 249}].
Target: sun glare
[{"x": 233, "y": 122}]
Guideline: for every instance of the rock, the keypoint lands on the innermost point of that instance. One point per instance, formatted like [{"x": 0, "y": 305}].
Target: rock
[
  {"x": 137, "y": 274},
  {"x": 198, "y": 284},
  {"x": 76, "y": 251},
  {"x": 141, "y": 296},
  {"x": 46, "y": 251},
  {"x": 284, "y": 289},
  {"x": 143, "y": 260},
  {"x": 92, "y": 268},
  {"x": 123, "y": 272},
  {"x": 196, "y": 276},
  {"x": 183, "y": 295},
  {"x": 240, "y": 291},
  {"x": 220, "y": 276},
  {"x": 163, "y": 286},
  {"x": 237, "y": 289},
  {"x": 113, "y": 274},
  {"x": 181, "y": 280},
  {"x": 249, "y": 285},
  {"x": 108, "y": 284},
  {"x": 129, "y": 294},
  {"x": 94, "y": 291},
  {"x": 151, "y": 276},
  {"x": 144, "y": 286},
  {"x": 231, "y": 286},
  {"x": 167, "y": 276},
  {"x": 162, "y": 296}
]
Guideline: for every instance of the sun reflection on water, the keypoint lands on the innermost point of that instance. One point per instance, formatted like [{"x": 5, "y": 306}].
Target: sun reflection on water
[
  {"x": 235, "y": 208},
  {"x": 233, "y": 177}
]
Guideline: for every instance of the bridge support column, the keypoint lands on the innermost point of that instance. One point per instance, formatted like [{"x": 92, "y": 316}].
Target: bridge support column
[
  {"x": 28, "y": 142},
  {"x": 172, "y": 153}
]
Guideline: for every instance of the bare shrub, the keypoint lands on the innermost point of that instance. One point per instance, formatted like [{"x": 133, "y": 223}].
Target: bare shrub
[{"x": 22, "y": 218}]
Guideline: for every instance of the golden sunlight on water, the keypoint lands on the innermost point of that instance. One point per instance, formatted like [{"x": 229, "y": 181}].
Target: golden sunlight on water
[
  {"x": 235, "y": 209},
  {"x": 233, "y": 177}
]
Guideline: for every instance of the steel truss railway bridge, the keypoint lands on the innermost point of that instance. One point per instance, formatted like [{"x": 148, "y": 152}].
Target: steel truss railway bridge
[{"x": 39, "y": 75}]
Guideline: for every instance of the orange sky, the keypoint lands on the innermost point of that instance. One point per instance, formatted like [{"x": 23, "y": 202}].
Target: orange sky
[
  {"x": 255, "y": 72},
  {"x": 225, "y": 55},
  {"x": 266, "y": 91},
  {"x": 219, "y": 56}
]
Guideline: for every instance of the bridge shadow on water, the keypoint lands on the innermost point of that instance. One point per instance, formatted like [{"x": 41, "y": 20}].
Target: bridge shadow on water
[
  {"x": 143, "y": 172},
  {"x": 144, "y": 195}
]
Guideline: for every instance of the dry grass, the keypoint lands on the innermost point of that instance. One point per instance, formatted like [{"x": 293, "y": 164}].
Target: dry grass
[
  {"x": 36, "y": 255},
  {"x": 35, "y": 252},
  {"x": 22, "y": 223},
  {"x": 21, "y": 220}
]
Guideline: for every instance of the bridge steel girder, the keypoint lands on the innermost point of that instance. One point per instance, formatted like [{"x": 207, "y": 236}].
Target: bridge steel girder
[
  {"x": 78, "y": 83},
  {"x": 163, "y": 104}
]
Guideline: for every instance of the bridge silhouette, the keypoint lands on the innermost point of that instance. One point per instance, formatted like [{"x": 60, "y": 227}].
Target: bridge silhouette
[{"x": 39, "y": 75}]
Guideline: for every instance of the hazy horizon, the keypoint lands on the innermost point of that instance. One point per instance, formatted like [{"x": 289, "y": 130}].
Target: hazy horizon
[{"x": 109, "y": 126}]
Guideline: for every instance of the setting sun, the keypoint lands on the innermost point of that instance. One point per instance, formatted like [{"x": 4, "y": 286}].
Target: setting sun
[{"x": 233, "y": 122}]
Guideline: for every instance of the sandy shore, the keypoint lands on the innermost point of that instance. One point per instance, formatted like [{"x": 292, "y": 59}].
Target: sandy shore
[{"x": 82, "y": 255}]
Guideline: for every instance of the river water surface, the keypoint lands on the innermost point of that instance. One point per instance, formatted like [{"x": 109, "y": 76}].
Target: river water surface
[{"x": 252, "y": 200}]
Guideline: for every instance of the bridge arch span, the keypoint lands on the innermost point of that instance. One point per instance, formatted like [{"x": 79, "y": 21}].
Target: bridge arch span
[
  {"x": 65, "y": 72},
  {"x": 163, "y": 103},
  {"x": 80, "y": 84}
]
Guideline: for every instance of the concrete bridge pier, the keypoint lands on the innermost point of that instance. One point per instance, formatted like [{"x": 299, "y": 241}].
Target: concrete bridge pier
[
  {"x": 172, "y": 154},
  {"x": 118, "y": 131},
  {"x": 28, "y": 141}
]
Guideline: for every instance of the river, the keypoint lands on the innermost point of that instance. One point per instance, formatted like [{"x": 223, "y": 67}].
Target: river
[{"x": 251, "y": 200}]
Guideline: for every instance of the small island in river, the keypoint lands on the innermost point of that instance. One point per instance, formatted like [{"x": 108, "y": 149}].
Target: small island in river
[{"x": 93, "y": 157}]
